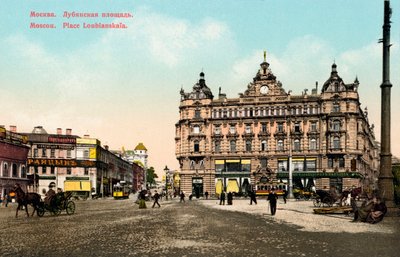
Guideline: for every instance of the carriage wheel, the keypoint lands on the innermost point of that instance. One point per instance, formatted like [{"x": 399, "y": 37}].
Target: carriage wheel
[
  {"x": 317, "y": 202},
  {"x": 56, "y": 211},
  {"x": 327, "y": 201},
  {"x": 70, "y": 208},
  {"x": 40, "y": 211}
]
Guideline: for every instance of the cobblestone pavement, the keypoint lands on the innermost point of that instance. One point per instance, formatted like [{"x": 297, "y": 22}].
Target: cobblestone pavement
[{"x": 108, "y": 227}]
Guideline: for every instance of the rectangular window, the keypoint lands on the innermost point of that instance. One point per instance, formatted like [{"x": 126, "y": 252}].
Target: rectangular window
[
  {"x": 44, "y": 152},
  {"x": 197, "y": 114},
  {"x": 69, "y": 171},
  {"x": 341, "y": 162},
  {"x": 52, "y": 170},
  {"x": 44, "y": 170},
  {"x": 35, "y": 152},
  {"x": 86, "y": 172},
  {"x": 311, "y": 165},
  {"x": 280, "y": 127},
  {"x": 330, "y": 163},
  {"x": 232, "y": 165},
  {"x": 263, "y": 162},
  {"x": 246, "y": 165},
  {"x": 52, "y": 153},
  {"x": 217, "y": 146},
  {"x": 282, "y": 165},
  {"x": 298, "y": 165},
  {"x": 68, "y": 153},
  {"x": 263, "y": 127},
  {"x": 86, "y": 154},
  {"x": 313, "y": 126},
  {"x": 219, "y": 166}
]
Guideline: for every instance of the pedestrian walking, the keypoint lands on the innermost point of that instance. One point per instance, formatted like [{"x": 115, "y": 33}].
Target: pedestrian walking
[
  {"x": 182, "y": 197},
  {"x": 253, "y": 197},
  {"x": 142, "y": 199},
  {"x": 206, "y": 194},
  {"x": 156, "y": 197},
  {"x": 6, "y": 200},
  {"x": 272, "y": 198},
  {"x": 222, "y": 198},
  {"x": 285, "y": 193},
  {"x": 230, "y": 198}
]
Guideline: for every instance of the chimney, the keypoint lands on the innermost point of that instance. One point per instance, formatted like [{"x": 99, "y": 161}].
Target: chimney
[
  {"x": 68, "y": 131},
  {"x": 13, "y": 128},
  {"x": 106, "y": 147},
  {"x": 59, "y": 131},
  {"x": 86, "y": 136}
]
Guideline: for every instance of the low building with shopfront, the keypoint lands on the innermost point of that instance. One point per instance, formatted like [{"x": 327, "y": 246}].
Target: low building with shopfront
[
  {"x": 256, "y": 140},
  {"x": 76, "y": 164}
]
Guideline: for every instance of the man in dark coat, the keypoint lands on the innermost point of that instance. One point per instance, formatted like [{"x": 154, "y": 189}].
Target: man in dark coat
[
  {"x": 222, "y": 198},
  {"x": 253, "y": 197},
  {"x": 156, "y": 197},
  {"x": 272, "y": 198}
]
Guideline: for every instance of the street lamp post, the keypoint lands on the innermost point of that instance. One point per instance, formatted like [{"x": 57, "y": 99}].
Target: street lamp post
[{"x": 166, "y": 170}]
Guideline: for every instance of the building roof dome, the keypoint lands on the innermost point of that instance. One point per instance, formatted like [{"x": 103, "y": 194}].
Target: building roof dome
[{"x": 140, "y": 146}]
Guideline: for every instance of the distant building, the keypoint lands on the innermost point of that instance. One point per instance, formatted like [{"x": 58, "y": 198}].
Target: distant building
[
  {"x": 13, "y": 156},
  {"x": 252, "y": 141},
  {"x": 75, "y": 164}
]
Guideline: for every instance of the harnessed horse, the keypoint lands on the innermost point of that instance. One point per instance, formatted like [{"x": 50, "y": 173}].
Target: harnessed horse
[{"x": 23, "y": 199}]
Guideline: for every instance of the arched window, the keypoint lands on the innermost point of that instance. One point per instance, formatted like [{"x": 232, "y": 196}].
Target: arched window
[
  {"x": 296, "y": 145},
  {"x": 196, "y": 146},
  {"x": 313, "y": 144},
  {"x": 280, "y": 145},
  {"x": 248, "y": 145},
  {"x": 23, "y": 172},
  {"x": 264, "y": 145},
  {"x": 5, "y": 170},
  {"x": 233, "y": 146},
  {"x": 336, "y": 143},
  {"x": 14, "y": 170}
]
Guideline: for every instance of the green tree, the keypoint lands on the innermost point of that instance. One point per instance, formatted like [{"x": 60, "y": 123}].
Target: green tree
[{"x": 151, "y": 176}]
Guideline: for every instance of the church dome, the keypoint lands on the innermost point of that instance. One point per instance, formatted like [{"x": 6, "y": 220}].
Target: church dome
[{"x": 140, "y": 147}]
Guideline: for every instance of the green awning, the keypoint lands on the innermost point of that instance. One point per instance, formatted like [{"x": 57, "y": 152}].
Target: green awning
[{"x": 320, "y": 175}]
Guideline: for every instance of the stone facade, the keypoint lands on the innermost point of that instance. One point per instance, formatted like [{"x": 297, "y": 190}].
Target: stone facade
[
  {"x": 254, "y": 140},
  {"x": 13, "y": 156}
]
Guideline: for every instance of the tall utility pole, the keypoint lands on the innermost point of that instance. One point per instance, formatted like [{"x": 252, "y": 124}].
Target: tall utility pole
[{"x": 385, "y": 180}]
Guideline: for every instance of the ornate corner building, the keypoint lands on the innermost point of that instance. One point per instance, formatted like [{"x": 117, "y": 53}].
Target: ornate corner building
[{"x": 251, "y": 142}]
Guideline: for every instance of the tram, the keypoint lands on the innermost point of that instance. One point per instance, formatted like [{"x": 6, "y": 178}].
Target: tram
[
  {"x": 121, "y": 191},
  {"x": 263, "y": 189}
]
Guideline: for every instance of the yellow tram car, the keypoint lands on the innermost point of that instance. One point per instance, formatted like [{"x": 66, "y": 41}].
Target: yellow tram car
[{"x": 121, "y": 191}]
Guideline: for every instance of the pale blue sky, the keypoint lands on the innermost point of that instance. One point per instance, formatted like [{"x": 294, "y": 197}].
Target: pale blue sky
[{"x": 122, "y": 86}]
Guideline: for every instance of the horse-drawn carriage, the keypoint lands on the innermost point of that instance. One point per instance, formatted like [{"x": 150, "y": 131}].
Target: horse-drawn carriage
[
  {"x": 326, "y": 198},
  {"x": 59, "y": 202}
]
